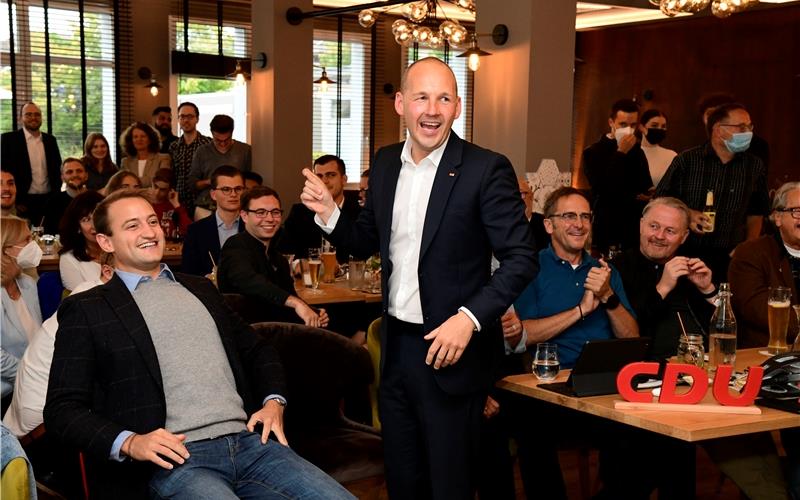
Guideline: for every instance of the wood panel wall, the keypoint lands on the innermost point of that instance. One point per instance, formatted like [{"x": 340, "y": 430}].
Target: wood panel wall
[{"x": 753, "y": 55}]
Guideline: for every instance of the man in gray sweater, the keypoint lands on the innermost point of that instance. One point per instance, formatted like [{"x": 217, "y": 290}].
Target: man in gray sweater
[{"x": 153, "y": 378}]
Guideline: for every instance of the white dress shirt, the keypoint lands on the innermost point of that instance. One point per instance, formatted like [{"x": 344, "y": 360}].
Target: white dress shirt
[
  {"x": 412, "y": 193},
  {"x": 40, "y": 183}
]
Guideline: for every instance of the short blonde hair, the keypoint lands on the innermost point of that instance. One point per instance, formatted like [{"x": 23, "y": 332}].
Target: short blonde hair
[{"x": 12, "y": 231}]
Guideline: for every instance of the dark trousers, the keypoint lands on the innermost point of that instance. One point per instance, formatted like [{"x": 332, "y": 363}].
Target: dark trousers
[{"x": 430, "y": 437}]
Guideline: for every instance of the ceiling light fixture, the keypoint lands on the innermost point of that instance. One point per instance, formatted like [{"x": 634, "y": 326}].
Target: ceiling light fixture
[{"x": 720, "y": 8}]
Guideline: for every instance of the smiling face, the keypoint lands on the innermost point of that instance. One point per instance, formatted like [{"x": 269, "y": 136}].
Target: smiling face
[
  {"x": 87, "y": 229},
  {"x": 263, "y": 228},
  {"x": 662, "y": 230},
  {"x": 140, "y": 140},
  {"x": 8, "y": 191},
  {"x": 788, "y": 226},
  {"x": 137, "y": 240},
  {"x": 429, "y": 104},
  {"x": 74, "y": 174},
  {"x": 31, "y": 117},
  {"x": 569, "y": 238},
  {"x": 99, "y": 148}
]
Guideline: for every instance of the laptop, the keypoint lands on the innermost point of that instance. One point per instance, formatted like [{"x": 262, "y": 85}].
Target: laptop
[{"x": 595, "y": 371}]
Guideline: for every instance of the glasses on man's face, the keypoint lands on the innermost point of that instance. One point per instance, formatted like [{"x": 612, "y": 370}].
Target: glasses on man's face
[
  {"x": 262, "y": 213},
  {"x": 32, "y": 115},
  {"x": 227, "y": 190},
  {"x": 793, "y": 211},
  {"x": 572, "y": 217},
  {"x": 187, "y": 117},
  {"x": 743, "y": 127}
]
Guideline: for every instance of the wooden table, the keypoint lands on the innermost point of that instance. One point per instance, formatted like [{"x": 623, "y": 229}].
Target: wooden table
[
  {"x": 172, "y": 257},
  {"x": 690, "y": 427},
  {"x": 334, "y": 293}
]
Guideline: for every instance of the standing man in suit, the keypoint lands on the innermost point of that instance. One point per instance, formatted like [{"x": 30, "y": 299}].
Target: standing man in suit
[
  {"x": 32, "y": 156},
  {"x": 437, "y": 210},
  {"x": 153, "y": 378},
  {"x": 207, "y": 235},
  {"x": 300, "y": 231}
]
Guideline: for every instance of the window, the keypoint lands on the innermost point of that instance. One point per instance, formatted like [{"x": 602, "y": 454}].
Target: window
[
  {"x": 341, "y": 113},
  {"x": 463, "y": 125},
  {"x": 71, "y": 105},
  {"x": 213, "y": 95}
]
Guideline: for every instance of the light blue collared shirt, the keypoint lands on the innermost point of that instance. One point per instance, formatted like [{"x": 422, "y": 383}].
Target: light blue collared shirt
[
  {"x": 224, "y": 231},
  {"x": 132, "y": 281}
]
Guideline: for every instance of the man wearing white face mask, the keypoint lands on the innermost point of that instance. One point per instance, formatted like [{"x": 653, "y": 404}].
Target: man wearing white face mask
[
  {"x": 737, "y": 179},
  {"x": 619, "y": 176}
]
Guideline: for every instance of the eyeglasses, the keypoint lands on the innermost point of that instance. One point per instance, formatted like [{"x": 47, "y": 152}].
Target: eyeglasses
[
  {"x": 261, "y": 213},
  {"x": 572, "y": 217},
  {"x": 32, "y": 115},
  {"x": 186, "y": 117},
  {"x": 793, "y": 211},
  {"x": 743, "y": 127},
  {"x": 227, "y": 190}
]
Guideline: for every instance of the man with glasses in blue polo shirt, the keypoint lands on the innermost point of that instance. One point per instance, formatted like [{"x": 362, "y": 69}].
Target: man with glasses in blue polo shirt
[{"x": 574, "y": 298}]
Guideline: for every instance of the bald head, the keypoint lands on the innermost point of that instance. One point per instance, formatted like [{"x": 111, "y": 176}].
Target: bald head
[
  {"x": 423, "y": 64},
  {"x": 526, "y": 193}
]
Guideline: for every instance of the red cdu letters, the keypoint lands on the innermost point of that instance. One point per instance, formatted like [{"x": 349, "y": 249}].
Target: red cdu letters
[
  {"x": 749, "y": 391},
  {"x": 695, "y": 393}
]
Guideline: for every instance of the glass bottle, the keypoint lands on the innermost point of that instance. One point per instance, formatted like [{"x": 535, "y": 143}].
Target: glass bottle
[
  {"x": 722, "y": 331},
  {"x": 709, "y": 212}
]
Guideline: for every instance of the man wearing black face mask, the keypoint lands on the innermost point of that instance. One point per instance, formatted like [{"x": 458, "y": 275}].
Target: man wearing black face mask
[
  {"x": 737, "y": 180},
  {"x": 617, "y": 171},
  {"x": 653, "y": 129}
]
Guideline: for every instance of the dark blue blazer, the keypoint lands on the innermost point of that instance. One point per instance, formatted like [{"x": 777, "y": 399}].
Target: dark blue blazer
[
  {"x": 105, "y": 377},
  {"x": 202, "y": 237},
  {"x": 474, "y": 211},
  {"x": 15, "y": 159}
]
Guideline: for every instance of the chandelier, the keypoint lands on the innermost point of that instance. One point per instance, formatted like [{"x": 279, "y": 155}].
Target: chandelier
[
  {"x": 720, "y": 8},
  {"x": 419, "y": 24}
]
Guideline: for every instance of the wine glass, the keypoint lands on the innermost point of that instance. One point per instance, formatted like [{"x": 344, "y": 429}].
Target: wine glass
[{"x": 545, "y": 361}]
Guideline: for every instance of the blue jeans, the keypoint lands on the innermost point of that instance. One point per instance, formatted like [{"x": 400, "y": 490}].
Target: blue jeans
[{"x": 239, "y": 466}]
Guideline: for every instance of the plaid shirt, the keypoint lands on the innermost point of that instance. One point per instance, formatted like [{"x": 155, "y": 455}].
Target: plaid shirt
[
  {"x": 739, "y": 186},
  {"x": 182, "y": 154}
]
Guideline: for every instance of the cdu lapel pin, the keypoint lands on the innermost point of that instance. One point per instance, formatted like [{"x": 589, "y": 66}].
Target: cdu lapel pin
[{"x": 451, "y": 173}]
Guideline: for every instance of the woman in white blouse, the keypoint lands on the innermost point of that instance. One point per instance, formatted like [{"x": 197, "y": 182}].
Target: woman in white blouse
[
  {"x": 79, "y": 252},
  {"x": 653, "y": 127},
  {"x": 141, "y": 143},
  {"x": 21, "y": 314}
]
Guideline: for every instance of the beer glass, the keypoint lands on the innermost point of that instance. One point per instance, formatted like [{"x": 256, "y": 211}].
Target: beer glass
[
  {"x": 778, "y": 306},
  {"x": 796, "y": 346},
  {"x": 545, "y": 361},
  {"x": 329, "y": 264},
  {"x": 312, "y": 268},
  {"x": 357, "y": 268}
]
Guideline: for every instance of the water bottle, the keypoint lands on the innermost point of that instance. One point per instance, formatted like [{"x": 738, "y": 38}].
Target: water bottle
[{"x": 722, "y": 331}]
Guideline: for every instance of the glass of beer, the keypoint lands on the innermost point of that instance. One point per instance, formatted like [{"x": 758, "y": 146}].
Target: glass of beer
[
  {"x": 329, "y": 264},
  {"x": 545, "y": 362},
  {"x": 314, "y": 265},
  {"x": 778, "y": 306}
]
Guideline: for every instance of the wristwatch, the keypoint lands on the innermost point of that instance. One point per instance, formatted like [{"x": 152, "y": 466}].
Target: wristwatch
[{"x": 612, "y": 302}]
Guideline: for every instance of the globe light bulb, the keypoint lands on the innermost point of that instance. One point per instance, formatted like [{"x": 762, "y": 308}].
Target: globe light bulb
[
  {"x": 240, "y": 79},
  {"x": 153, "y": 88},
  {"x": 323, "y": 86},
  {"x": 366, "y": 18},
  {"x": 474, "y": 62}
]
